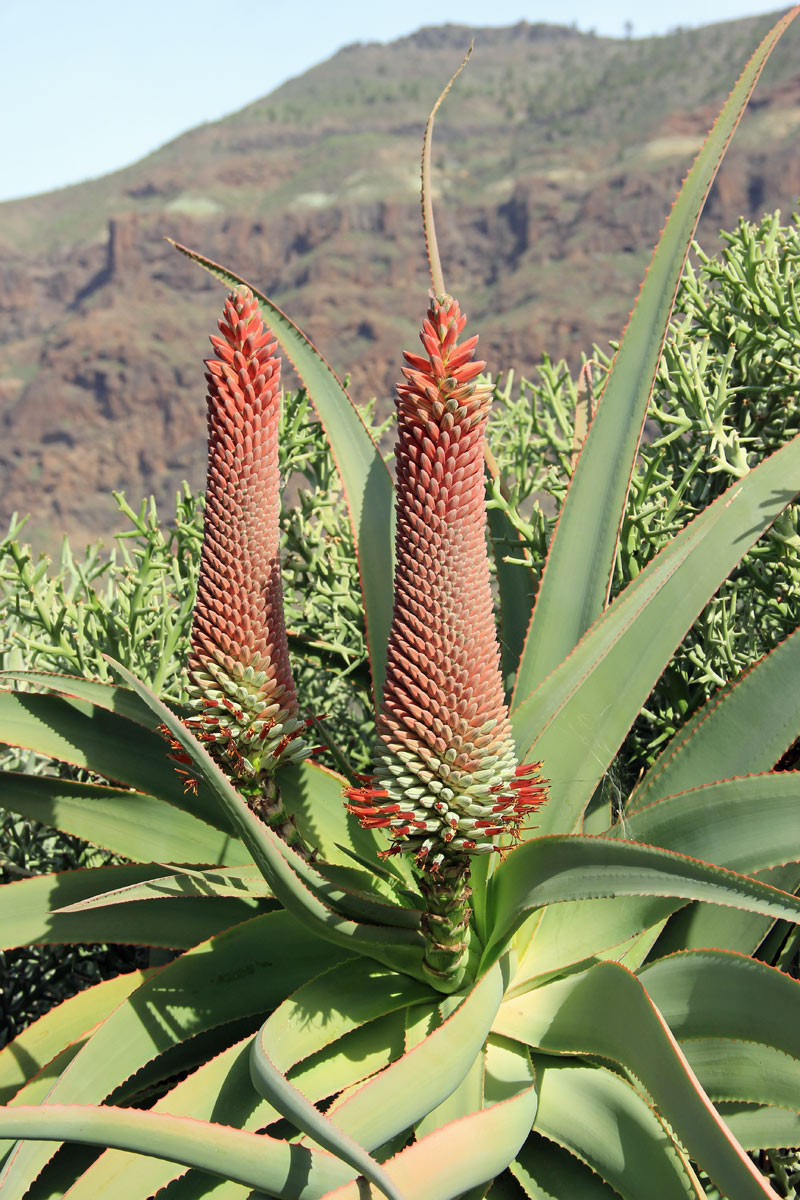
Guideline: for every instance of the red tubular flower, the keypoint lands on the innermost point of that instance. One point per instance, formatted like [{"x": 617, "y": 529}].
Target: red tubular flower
[
  {"x": 240, "y": 679},
  {"x": 446, "y": 780}
]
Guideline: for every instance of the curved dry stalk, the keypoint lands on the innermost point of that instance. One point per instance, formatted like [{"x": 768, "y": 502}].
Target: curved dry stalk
[{"x": 431, "y": 245}]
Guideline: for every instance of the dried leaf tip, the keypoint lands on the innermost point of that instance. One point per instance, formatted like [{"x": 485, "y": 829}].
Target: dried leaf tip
[{"x": 428, "y": 224}]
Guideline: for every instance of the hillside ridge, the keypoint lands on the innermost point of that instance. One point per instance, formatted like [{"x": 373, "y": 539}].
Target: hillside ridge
[{"x": 556, "y": 159}]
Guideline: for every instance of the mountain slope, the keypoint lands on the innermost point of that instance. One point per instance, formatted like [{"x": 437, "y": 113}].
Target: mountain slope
[{"x": 556, "y": 159}]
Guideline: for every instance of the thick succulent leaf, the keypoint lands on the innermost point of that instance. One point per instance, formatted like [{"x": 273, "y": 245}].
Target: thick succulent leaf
[
  {"x": 256, "y": 1160},
  {"x": 696, "y": 926},
  {"x": 334, "y": 1004},
  {"x": 398, "y": 1096},
  {"x": 473, "y": 1150},
  {"x": 533, "y": 712},
  {"x": 515, "y": 589},
  {"x": 313, "y": 795},
  {"x": 243, "y": 971},
  {"x": 746, "y": 824},
  {"x": 605, "y": 1122},
  {"x": 546, "y": 1171},
  {"x": 110, "y": 696},
  {"x": 554, "y": 869},
  {"x": 745, "y": 1071},
  {"x": 66, "y": 1024},
  {"x": 221, "y": 1091},
  {"x": 365, "y": 479},
  {"x": 736, "y": 1019},
  {"x": 185, "y": 883},
  {"x": 428, "y": 1073},
  {"x": 579, "y": 931},
  {"x": 29, "y": 913},
  {"x": 465, "y": 1099},
  {"x": 561, "y": 1018},
  {"x": 37, "y": 1089},
  {"x": 758, "y": 1126},
  {"x": 88, "y": 735},
  {"x": 574, "y": 587},
  {"x": 197, "y": 1185},
  {"x": 298, "y": 885},
  {"x": 718, "y": 742},
  {"x": 140, "y": 1176},
  {"x": 635, "y": 640},
  {"x": 132, "y": 824},
  {"x": 711, "y": 993},
  {"x": 290, "y": 1101}
]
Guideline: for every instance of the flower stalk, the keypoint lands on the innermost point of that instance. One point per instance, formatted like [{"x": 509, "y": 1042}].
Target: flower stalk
[
  {"x": 240, "y": 681},
  {"x": 446, "y": 783}
]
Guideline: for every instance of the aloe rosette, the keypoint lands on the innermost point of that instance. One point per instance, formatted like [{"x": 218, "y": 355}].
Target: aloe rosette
[{"x": 589, "y": 1043}]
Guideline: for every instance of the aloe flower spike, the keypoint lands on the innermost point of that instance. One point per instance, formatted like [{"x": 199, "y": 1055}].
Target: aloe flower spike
[
  {"x": 240, "y": 681},
  {"x": 446, "y": 783}
]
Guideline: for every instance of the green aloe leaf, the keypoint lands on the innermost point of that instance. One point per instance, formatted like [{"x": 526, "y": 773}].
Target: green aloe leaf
[
  {"x": 297, "y": 884},
  {"x": 365, "y": 479},
  {"x": 29, "y": 913},
  {"x": 745, "y": 824},
  {"x": 428, "y": 1073},
  {"x": 398, "y": 1096},
  {"x": 575, "y": 583},
  {"x": 758, "y": 1125},
  {"x": 255, "y": 1160},
  {"x": 335, "y": 1004},
  {"x": 221, "y": 1090},
  {"x": 515, "y": 587},
  {"x": 560, "y": 1018},
  {"x": 607, "y": 1124},
  {"x": 736, "y": 1020},
  {"x": 313, "y": 794},
  {"x": 697, "y": 925},
  {"x": 88, "y": 735},
  {"x": 115, "y": 699},
  {"x": 195, "y": 1185},
  {"x": 242, "y": 972},
  {"x": 558, "y": 868},
  {"x": 270, "y": 1082},
  {"x": 581, "y": 717},
  {"x": 713, "y": 993},
  {"x": 576, "y": 932},
  {"x": 137, "y": 826},
  {"x": 63, "y": 1026},
  {"x": 745, "y": 1071},
  {"x": 717, "y": 742},
  {"x": 546, "y": 1171},
  {"x": 476, "y": 1148},
  {"x": 185, "y": 883}
]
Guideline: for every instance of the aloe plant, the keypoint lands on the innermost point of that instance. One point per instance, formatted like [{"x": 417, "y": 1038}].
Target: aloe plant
[{"x": 311, "y": 1039}]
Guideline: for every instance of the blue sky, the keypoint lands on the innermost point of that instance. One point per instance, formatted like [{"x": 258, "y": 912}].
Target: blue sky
[{"x": 88, "y": 86}]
